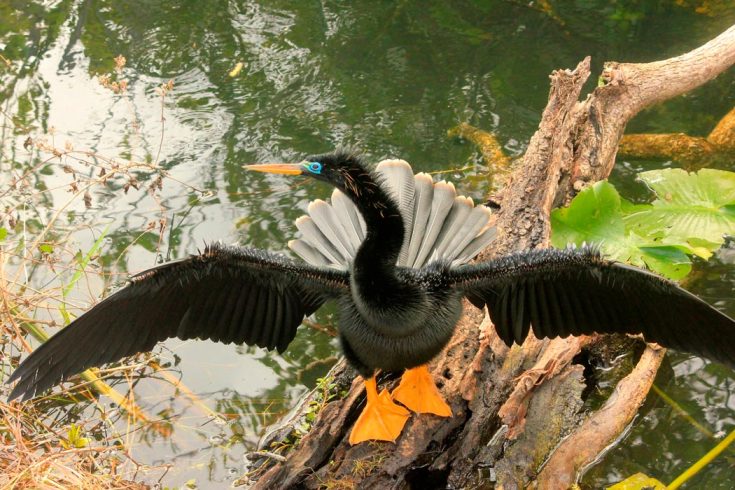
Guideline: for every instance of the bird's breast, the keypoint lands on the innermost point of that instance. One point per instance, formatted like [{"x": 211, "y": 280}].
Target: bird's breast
[{"x": 400, "y": 334}]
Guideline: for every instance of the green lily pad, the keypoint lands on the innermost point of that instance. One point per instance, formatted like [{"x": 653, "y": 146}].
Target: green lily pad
[
  {"x": 691, "y": 215},
  {"x": 693, "y": 208},
  {"x": 596, "y": 215}
]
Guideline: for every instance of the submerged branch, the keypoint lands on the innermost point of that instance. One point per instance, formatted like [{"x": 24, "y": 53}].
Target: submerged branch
[
  {"x": 497, "y": 162},
  {"x": 694, "y": 152},
  {"x": 723, "y": 136}
]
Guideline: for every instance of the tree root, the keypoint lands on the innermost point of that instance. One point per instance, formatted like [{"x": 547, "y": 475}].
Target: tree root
[{"x": 604, "y": 426}]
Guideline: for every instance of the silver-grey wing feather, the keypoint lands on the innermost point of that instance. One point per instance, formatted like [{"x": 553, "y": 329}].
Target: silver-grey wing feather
[
  {"x": 439, "y": 224},
  {"x": 441, "y": 205},
  {"x": 350, "y": 217},
  {"x": 422, "y": 211},
  {"x": 330, "y": 224},
  {"x": 313, "y": 236}
]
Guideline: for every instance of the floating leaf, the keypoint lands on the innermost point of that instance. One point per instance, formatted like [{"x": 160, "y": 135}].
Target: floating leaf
[
  {"x": 693, "y": 208},
  {"x": 596, "y": 215},
  {"x": 691, "y": 215},
  {"x": 236, "y": 70},
  {"x": 639, "y": 481},
  {"x": 670, "y": 261}
]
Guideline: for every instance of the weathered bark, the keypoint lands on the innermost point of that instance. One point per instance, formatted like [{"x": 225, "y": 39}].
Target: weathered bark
[
  {"x": 479, "y": 376},
  {"x": 631, "y": 87}
]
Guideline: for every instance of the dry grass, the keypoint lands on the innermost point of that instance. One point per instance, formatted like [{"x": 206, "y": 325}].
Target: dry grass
[
  {"x": 31, "y": 456},
  {"x": 68, "y": 439}
]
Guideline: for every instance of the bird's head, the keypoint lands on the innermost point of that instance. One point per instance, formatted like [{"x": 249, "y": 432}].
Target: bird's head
[{"x": 341, "y": 168}]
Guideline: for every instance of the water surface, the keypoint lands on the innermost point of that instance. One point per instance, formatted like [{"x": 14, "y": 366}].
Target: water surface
[{"x": 388, "y": 78}]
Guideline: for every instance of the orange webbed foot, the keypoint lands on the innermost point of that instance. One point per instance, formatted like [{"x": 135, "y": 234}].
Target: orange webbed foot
[
  {"x": 418, "y": 392},
  {"x": 381, "y": 419}
]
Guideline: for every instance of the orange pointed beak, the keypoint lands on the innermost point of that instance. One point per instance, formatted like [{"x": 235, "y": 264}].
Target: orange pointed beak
[{"x": 276, "y": 168}]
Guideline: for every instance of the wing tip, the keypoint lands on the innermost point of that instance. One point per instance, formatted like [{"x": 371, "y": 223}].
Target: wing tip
[
  {"x": 302, "y": 219},
  {"x": 393, "y": 162},
  {"x": 315, "y": 205},
  {"x": 444, "y": 185}
]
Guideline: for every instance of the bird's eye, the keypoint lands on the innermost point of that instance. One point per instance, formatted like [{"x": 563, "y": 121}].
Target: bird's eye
[{"x": 314, "y": 167}]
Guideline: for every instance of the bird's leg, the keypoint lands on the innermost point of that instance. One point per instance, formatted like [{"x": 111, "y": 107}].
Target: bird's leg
[
  {"x": 381, "y": 419},
  {"x": 419, "y": 393}
]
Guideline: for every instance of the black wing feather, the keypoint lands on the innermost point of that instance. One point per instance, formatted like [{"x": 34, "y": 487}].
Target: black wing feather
[
  {"x": 257, "y": 320},
  {"x": 229, "y": 294},
  {"x": 237, "y": 314},
  {"x": 266, "y": 321},
  {"x": 229, "y": 303},
  {"x": 577, "y": 291}
]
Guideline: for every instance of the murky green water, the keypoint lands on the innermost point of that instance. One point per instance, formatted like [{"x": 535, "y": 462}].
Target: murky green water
[{"x": 387, "y": 77}]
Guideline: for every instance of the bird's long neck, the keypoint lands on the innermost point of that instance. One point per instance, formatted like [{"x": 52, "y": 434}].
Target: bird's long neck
[
  {"x": 379, "y": 251},
  {"x": 387, "y": 302},
  {"x": 376, "y": 289}
]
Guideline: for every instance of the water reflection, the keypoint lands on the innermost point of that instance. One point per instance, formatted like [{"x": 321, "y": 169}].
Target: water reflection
[{"x": 389, "y": 78}]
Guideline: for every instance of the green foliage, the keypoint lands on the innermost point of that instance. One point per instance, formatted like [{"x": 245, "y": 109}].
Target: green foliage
[
  {"x": 326, "y": 391},
  {"x": 46, "y": 248},
  {"x": 691, "y": 215},
  {"x": 596, "y": 216},
  {"x": 74, "y": 439},
  {"x": 697, "y": 209},
  {"x": 82, "y": 263}
]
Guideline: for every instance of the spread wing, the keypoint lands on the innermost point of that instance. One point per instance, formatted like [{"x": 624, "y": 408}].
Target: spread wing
[
  {"x": 226, "y": 294},
  {"x": 573, "y": 292}
]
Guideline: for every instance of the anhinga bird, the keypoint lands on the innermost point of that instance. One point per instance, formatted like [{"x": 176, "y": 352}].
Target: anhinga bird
[{"x": 391, "y": 250}]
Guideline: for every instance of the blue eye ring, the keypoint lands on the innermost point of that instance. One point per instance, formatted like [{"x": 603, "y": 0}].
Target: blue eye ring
[{"x": 313, "y": 167}]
